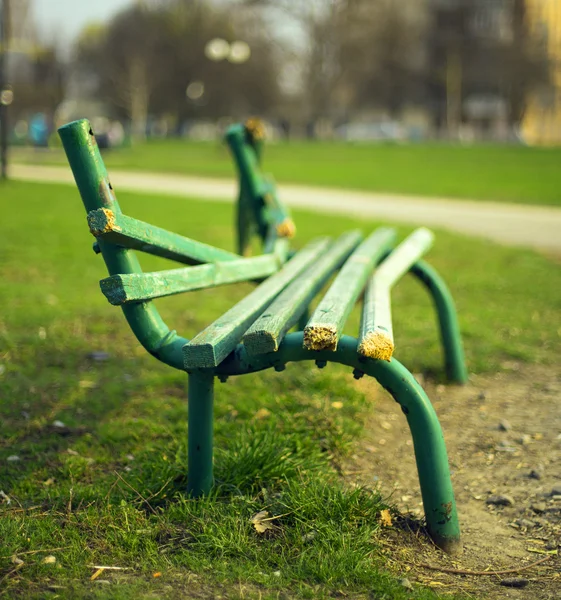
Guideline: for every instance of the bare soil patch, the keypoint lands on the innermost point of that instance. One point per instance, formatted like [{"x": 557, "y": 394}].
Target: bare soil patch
[{"x": 503, "y": 434}]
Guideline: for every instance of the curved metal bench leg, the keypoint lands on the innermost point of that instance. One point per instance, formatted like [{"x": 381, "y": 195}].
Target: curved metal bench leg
[
  {"x": 430, "y": 453},
  {"x": 200, "y": 431},
  {"x": 454, "y": 361}
]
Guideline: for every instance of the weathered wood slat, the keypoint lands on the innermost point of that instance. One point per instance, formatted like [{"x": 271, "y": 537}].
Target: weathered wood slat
[
  {"x": 325, "y": 326},
  {"x": 376, "y": 331},
  {"x": 210, "y": 347},
  {"x": 117, "y": 228},
  {"x": 122, "y": 289},
  {"x": 268, "y": 331}
]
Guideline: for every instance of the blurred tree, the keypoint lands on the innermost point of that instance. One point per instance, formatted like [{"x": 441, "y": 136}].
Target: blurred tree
[
  {"x": 382, "y": 51},
  {"x": 37, "y": 73},
  {"x": 149, "y": 54}
]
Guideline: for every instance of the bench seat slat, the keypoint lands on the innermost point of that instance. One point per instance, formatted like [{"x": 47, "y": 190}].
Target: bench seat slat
[
  {"x": 269, "y": 329},
  {"x": 117, "y": 228},
  {"x": 122, "y": 289},
  {"x": 376, "y": 331},
  {"x": 210, "y": 347},
  {"x": 325, "y": 326}
]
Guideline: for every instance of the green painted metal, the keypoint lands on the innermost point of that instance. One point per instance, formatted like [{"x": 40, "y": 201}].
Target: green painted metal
[
  {"x": 210, "y": 347},
  {"x": 120, "y": 289},
  {"x": 228, "y": 357},
  {"x": 454, "y": 360},
  {"x": 259, "y": 207},
  {"x": 268, "y": 330},
  {"x": 428, "y": 441},
  {"x": 325, "y": 327},
  {"x": 96, "y": 192},
  {"x": 376, "y": 331},
  {"x": 137, "y": 235},
  {"x": 200, "y": 434}
]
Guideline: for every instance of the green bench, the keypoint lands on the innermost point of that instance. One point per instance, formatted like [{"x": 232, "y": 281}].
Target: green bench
[{"x": 255, "y": 334}]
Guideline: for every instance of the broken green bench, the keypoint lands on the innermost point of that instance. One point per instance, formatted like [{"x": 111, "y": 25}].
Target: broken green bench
[{"x": 255, "y": 334}]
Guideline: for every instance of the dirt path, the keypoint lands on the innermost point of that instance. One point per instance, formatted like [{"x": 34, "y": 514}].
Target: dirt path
[
  {"x": 503, "y": 434},
  {"x": 512, "y": 224}
]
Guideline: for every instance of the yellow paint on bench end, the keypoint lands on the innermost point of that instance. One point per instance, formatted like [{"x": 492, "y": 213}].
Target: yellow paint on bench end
[
  {"x": 378, "y": 345},
  {"x": 320, "y": 337}
]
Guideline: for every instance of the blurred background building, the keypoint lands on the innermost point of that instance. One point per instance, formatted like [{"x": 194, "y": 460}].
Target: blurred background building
[
  {"x": 542, "y": 122},
  {"x": 469, "y": 70}
]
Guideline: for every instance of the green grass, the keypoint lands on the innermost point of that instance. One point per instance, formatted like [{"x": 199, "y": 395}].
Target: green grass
[
  {"x": 492, "y": 172},
  {"x": 108, "y": 487}
]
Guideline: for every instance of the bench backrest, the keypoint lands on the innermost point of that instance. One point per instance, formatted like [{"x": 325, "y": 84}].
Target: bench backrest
[{"x": 118, "y": 236}]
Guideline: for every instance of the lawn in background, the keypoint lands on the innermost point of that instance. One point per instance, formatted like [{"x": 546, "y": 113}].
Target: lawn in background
[
  {"x": 482, "y": 172},
  {"x": 101, "y": 444}
]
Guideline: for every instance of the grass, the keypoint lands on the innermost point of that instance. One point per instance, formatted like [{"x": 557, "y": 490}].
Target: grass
[
  {"x": 491, "y": 172},
  {"x": 106, "y": 487}
]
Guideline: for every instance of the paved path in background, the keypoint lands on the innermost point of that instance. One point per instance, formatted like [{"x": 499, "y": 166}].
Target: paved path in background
[{"x": 512, "y": 224}]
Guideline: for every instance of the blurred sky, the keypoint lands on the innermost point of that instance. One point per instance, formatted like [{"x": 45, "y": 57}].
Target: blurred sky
[{"x": 62, "y": 20}]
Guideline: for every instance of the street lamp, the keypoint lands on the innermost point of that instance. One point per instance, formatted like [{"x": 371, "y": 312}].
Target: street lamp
[
  {"x": 236, "y": 52},
  {"x": 6, "y": 94}
]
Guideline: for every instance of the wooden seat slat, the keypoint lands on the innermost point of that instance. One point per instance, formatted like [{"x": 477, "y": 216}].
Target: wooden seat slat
[
  {"x": 210, "y": 347},
  {"x": 376, "y": 330},
  {"x": 268, "y": 331},
  {"x": 135, "y": 287},
  {"x": 325, "y": 326},
  {"x": 128, "y": 232}
]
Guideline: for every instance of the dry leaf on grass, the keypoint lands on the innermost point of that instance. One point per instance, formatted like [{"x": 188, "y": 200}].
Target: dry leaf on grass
[
  {"x": 262, "y": 522},
  {"x": 385, "y": 518},
  {"x": 262, "y": 413}
]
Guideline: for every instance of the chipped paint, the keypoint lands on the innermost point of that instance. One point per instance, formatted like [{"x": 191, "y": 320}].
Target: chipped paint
[
  {"x": 378, "y": 345},
  {"x": 102, "y": 224},
  {"x": 286, "y": 228},
  {"x": 320, "y": 338},
  {"x": 255, "y": 128}
]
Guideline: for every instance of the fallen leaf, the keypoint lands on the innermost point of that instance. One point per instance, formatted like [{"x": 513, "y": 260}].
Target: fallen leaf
[
  {"x": 49, "y": 560},
  {"x": 262, "y": 413},
  {"x": 48, "y": 482},
  {"x": 261, "y": 522},
  {"x": 385, "y": 518},
  {"x": 16, "y": 561}
]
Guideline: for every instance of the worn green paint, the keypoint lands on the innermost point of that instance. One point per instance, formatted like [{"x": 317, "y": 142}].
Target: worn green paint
[
  {"x": 268, "y": 330},
  {"x": 259, "y": 207},
  {"x": 137, "y": 235},
  {"x": 96, "y": 192},
  {"x": 325, "y": 326},
  {"x": 120, "y": 289},
  {"x": 200, "y": 440},
  {"x": 231, "y": 359},
  {"x": 454, "y": 360},
  {"x": 376, "y": 331},
  {"x": 428, "y": 440},
  {"x": 209, "y": 348}
]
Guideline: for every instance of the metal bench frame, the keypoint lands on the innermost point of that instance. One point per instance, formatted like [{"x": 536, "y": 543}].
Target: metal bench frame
[{"x": 259, "y": 211}]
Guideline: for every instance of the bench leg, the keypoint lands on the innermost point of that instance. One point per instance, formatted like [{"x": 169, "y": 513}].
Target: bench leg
[
  {"x": 200, "y": 431},
  {"x": 454, "y": 361},
  {"x": 430, "y": 454}
]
